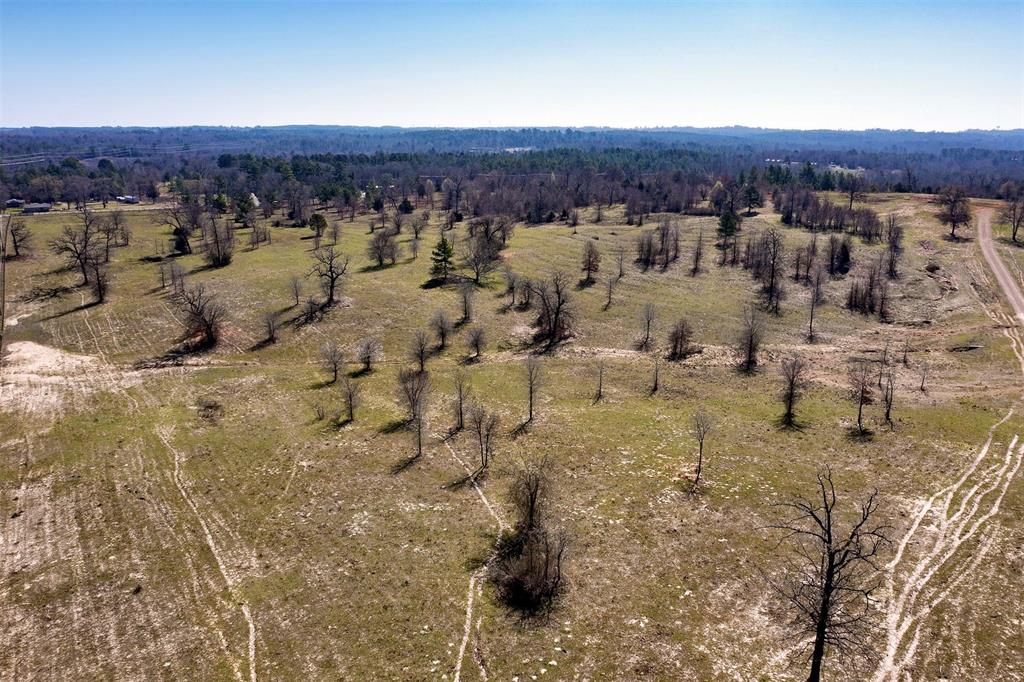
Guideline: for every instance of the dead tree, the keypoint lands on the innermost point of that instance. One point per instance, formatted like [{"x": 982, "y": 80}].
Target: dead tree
[
  {"x": 332, "y": 358},
  {"x": 833, "y": 574},
  {"x": 295, "y": 287},
  {"x": 329, "y": 266},
  {"x": 599, "y": 393},
  {"x": 534, "y": 379},
  {"x": 703, "y": 424},
  {"x": 751, "y": 336},
  {"x": 794, "y": 378}
]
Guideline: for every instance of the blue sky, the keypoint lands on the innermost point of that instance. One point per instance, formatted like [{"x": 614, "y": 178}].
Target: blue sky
[{"x": 923, "y": 65}]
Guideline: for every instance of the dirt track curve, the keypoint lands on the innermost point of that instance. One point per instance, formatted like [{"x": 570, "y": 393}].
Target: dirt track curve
[{"x": 996, "y": 265}]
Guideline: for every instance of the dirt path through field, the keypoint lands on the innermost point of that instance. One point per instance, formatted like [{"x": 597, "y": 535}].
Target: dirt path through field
[
  {"x": 475, "y": 589},
  {"x": 229, "y": 578},
  {"x": 995, "y": 263},
  {"x": 952, "y": 531}
]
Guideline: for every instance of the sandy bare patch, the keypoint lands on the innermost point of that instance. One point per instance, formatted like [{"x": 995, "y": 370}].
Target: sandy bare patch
[{"x": 38, "y": 379}]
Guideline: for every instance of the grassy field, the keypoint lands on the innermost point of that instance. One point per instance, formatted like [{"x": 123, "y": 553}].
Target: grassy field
[{"x": 143, "y": 538}]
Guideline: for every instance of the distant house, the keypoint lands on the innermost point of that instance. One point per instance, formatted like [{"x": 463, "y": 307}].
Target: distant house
[
  {"x": 128, "y": 199},
  {"x": 36, "y": 208},
  {"x": 15, "y": 203}
]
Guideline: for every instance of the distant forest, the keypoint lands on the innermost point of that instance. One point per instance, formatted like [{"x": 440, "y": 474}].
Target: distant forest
[{"x": 540, "y": 170}]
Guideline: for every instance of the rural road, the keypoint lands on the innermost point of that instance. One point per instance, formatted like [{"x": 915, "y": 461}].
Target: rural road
[{"x": 1006, "y": 281}]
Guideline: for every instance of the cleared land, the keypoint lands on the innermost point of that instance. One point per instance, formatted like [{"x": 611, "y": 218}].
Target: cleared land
[{"x": 144, "y": 537}]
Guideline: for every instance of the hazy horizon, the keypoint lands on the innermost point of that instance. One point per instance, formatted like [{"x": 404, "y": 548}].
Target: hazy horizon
[{"x": 924, "y": 66}]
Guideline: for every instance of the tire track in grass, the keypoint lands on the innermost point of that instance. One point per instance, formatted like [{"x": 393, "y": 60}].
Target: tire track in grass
[
  {"x": 980, "y": 490},
  {"x": 477, "y": 575},
  {"x": 214, "y": 550}
]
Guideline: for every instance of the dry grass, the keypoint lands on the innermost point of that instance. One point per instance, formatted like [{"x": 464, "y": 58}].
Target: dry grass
[{"x": 115, "y": 565}]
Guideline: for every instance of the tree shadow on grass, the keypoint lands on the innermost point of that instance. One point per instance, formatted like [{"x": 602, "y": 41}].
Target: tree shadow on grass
[
  {"x": 394, "y": 426},
  {"x": 521, "y": 429},
  {"x": 795, "y": 424},
  {"x": 859, "y": 435},
  {"x": 403, "y": 464},
  {"x": 69, "y": 311}
]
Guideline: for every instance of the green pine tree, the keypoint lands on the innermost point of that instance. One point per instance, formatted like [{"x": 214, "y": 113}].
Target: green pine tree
[{"x": 441, "y": 259}]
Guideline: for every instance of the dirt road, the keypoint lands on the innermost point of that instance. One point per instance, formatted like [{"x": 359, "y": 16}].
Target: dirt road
[{"x": 996, "y": 265}]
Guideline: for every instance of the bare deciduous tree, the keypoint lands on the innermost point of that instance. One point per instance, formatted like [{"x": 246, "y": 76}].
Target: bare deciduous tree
[
  {"x": 833, "y": 574},
  {"x": 329, "y": 266},
  {"x": 680, "y": 340},
  {"x": 367, "y": 352},
  {"x": 817, "y": 281},
  {"x": 461, "y": 393},
  {"x": 484, "y": 426},
  {"x": 698, "y": 253},
  {"x": 204, "y": 316},
  {"x": 534, "y": 379},
  {"x": 270, "y": 326},
  {"x": 647, "y": 321},
  {"x": 954, "y": 208},
  {"x": 528, "y": 565},
  {"x": 352, "y": 391},
  {"x": 466, "y": 295},
  {"x": 332, "y": 358},
  {"x": 751, "y": 336},
  {"x": 556, "y": 317},
  {"x": 79, "y": 244},
  {"x": 859, "y": 379},
  {"x": 476, "y": 339},
  {"x": 794, "y": 378},
  {"x": 591, "y": 261},
  {"x": 295, "y": 286},
  {"x": 414, "y": 388},
  {"x": 442, "y": 326},
  {"x": 703, "y": 424},
  {"x": 419, "y": 349},
  {"x": 383, "y": 247}
]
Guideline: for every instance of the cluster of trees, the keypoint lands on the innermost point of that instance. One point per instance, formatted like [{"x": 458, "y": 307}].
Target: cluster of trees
[{"x": 86, "y": 246}]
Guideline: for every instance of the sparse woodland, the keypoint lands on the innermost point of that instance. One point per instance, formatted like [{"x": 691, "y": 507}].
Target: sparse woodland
[{"x": 657, "y": 402}]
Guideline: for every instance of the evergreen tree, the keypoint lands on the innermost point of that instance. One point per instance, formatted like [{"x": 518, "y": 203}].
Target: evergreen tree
[{"x": 441, "y": 259}]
